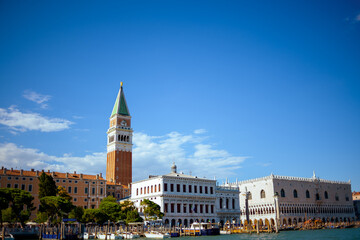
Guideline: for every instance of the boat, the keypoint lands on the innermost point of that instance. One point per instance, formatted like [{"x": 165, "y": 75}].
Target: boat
[
  {"x": 129, "y": 235},
  {"x": 86, "y": 235},
  {"x": 223, "y": 232},
  {"x": 8, "y": 237},
  {"x": 158, "y": 235},
  {"x": 25, "y": 233},
  {"x": 110, "y": 236},
  {"x": 202, "y": 229}
]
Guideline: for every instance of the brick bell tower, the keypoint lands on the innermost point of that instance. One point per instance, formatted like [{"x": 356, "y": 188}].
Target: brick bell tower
[{"x": 119, "y": 143}]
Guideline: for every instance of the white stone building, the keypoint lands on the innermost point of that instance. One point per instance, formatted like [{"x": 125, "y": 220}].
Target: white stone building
[
  {"x": 227, "y": 204},
  {"x": 185, "y": 199},
  {"x": 292, "y": 200}
]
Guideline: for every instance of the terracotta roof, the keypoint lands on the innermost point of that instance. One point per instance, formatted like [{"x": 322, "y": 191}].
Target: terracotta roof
[
  {"x": 116, "y": 184},
  {"x": 355, "y": 193},
  {"x": 33, "y": 173}
]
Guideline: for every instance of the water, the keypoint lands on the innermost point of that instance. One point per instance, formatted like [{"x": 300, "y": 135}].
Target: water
[{"x": 333, "y": 234}]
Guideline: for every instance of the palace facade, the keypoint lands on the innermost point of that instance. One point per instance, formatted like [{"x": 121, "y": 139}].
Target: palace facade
[{"x": 292, "y": 200}]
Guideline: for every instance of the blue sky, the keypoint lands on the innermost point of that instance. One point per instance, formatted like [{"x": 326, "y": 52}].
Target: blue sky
[{"x": 237, "y": 89}]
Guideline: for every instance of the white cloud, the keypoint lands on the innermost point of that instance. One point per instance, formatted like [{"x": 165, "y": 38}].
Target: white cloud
[
  {"x": 12, "y": 155},
  {"x": 200, "y": 131},
  {"x": 37, "y": 98},
  {"x": 21, "y": 122},
  {"x": 152, "y": 155}
]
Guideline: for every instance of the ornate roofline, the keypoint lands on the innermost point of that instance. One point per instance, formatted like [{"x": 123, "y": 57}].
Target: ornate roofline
[{"x": 278, "y": 177}]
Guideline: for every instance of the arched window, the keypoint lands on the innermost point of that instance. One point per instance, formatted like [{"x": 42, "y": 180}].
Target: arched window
[
  {"x": 326, "y": 195},
  {"x": 317, "y": 196},
  {"x": 307, "y": 194},
  {"x": 295, "y": 193},
  {"x": 137, "y": 191},
  {"x": 262, "y": 194},
  {"x": 282, "y": 193},
  {"x": 346, "y": 198},
  {"x": 233, "y": 203},
  {"x": 155, "y": 189},
  {"x": 221, "y": 201},
  {"x": 249, "y": 196},
  {"x": 336, "y": 197},
  {"x": 118, "y": 137}
]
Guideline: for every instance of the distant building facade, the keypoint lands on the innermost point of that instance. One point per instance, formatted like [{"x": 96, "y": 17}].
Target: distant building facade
[
  {"x": 293, "y": 200},
  {"x": 185, "y": 199},
  {"x": 356, "y": 202},
  {"x": 86, "y": 191},
  {"x": 227, "y": 204}
]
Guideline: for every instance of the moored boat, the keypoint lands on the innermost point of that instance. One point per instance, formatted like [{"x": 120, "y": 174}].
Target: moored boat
[
  {"x": 201, "y": 229},
  {"x": 86, "y": 235},
  {"x": 7, "y": 237},
  {"x": 129, "y": 235},
  {"x": 110, "y": 236},
  {"x": 158, "y": 235}
]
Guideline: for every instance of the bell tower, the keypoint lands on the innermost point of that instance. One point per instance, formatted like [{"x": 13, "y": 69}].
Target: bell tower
[{"x": 119, "y": 143}]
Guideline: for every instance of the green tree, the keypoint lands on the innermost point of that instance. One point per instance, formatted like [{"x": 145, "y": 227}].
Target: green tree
[
  {"x": 77, "y": 213},
  {"x": 17, "y": 203},
  {"x": 129, "y": 213},
  {"x": 5, "y": 198},
  {"x": 61, "y": 191},
  {"x": 133, "y": 216},
  {"x": 94, "y": 216},
  {"x": 41, "y": 217},
  {"x": 151, "y": 210},
  {"x": 109, "y": 199},
  {"x": 55, "y": 207},
  {"x": 47, "y": 186},
  {"x": 111, "y": 208}
]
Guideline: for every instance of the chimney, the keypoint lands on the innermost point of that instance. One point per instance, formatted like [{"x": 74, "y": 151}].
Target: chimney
[
  {"x": 2, "y": 167},
  {"x": 32, "y": 169},
  {"x": 42, "y": 171},
  {"x": 37, "y": 172},
  {"x": 74, "y": 172},
  {"x": 48, "y": 170},
  {"x": 67, "y": 175},
  {"x": 81, "y": 176},
  {"x": 21, "y": 172},
  {"x": 11, "y": 169},
  {"x": 5, "y": 170},
  {"x": 100, "y": 175},
  {"x": 53, "y": 174},
  {"x": 97, "y": 176}
]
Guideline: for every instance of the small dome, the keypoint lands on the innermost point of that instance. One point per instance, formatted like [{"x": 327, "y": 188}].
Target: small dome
[{"x": 173, "y": 168}]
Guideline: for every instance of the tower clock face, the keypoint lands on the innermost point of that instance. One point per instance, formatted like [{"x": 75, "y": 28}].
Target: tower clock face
[{"x": 123, "y": 123}]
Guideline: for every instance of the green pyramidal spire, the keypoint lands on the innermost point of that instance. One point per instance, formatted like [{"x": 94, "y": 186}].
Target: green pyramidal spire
[{"x": 120, "y": 106}]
